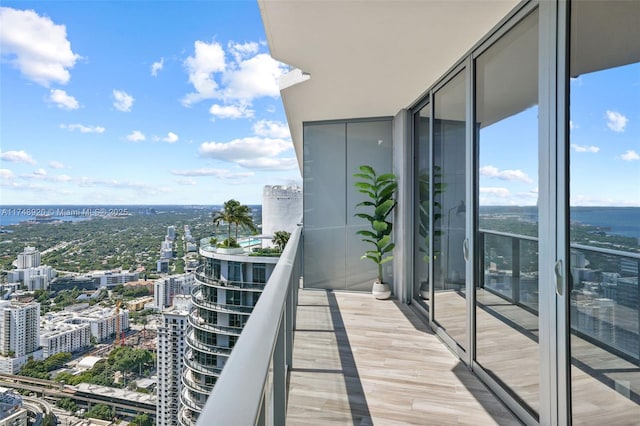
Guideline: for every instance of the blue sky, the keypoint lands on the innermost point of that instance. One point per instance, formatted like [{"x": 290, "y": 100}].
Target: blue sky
[
  {"x": 139, "y": 102},
  {"x": 604, "y": 146}
]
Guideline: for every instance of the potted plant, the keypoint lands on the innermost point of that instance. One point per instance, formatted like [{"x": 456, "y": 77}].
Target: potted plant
[{"x": 380, "y": 189}]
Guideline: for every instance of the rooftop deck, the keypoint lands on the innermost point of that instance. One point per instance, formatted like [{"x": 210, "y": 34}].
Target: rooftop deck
[{"x": 361, "y": 361}]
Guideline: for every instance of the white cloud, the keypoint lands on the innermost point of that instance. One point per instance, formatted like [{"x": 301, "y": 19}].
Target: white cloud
[
  {"x": 136, "y": 136},
  {"x": 242, "y": 50},
  {"x": 185, "y": 181},
  {"x": 41, "y": 175},
  {"x": 36, "y": 46},
  {"x": 253, "y": 78},
  {"x": 17, "y": 157},
  {"x": 288, "y": 163},
  {"x": 616, "y": 121},
  {"x": 248, "y": 148},
  {"x": 231, "y": 111},
  {"x": 248, "y": 75},
  {"x": 495, "y": 191},
  {"x": 122, "y": 101},
  {"x": 157, "y": 66},
  {"x": 56, "y": 165},
  {"x": 510, "y": 175},
  {"x": 63, "y": 100},
  {"x": 572, "y": 125},
  {"x": 584, "y": 148},
  {"x": 170, "y": 138},
  {"x": 272, "y": 129},
  {"x": 630, "y": 155},
  {"x": 207, "y": 60},
  {"x": 112, "y": 183},
  {"x": 219, "y": 173},
  {"x": 82, "y": 128},
  {"x": 6, "y": 174}
]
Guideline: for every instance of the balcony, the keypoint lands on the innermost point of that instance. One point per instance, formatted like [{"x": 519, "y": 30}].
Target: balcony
[
  {"x": 357, "y": 360},
  {"x": 347, "y": 367}
]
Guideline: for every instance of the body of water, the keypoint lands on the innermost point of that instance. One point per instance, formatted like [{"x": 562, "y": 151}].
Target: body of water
[{"x": 624, "y": 221}]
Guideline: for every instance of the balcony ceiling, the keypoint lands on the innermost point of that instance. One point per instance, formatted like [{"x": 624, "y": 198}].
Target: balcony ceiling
[{"x": 369, "y": 58}]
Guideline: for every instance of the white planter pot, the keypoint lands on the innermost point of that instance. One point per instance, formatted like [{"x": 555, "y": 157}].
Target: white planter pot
[
  {"x": 235, "y": 250},
  {"x": 381, "y": 291},
  {"x": 424, "y": 290}
]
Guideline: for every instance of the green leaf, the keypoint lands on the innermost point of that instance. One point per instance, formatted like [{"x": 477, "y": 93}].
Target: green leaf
[
  {"x": 363, "y": 176},
  {"x": 365, "y": 216},
  {"x": 386, "y": 177},
  {"x": 365, "y": 203},
  {"x": 380, "y": 226},
  {"x": 367, "y": 169},
  {"x": 388, "y": 248},
  {"x": 384, "y": 209},
  {"x": 386, "y": 259},
  {"x": 383, "y": 241},
  {"x": 367, "y": 233}
]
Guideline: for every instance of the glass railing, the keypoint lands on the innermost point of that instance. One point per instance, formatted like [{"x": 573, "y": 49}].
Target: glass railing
[
  {"x": 256, "y": 371},
  {"x": 204, "y": 279},
  {"x": 604, "y": 298}
]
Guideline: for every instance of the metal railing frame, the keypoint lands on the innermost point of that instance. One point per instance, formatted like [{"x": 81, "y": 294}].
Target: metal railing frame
[{"x": 252, "y": 389}]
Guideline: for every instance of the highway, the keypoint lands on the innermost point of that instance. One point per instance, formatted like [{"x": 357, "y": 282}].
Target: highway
[{"x": 55, "y": 391}]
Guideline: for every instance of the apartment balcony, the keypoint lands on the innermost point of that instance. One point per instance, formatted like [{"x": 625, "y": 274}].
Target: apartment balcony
[
  {"x": 355, "y": 360},
  {"x": 346, "y": 358}
]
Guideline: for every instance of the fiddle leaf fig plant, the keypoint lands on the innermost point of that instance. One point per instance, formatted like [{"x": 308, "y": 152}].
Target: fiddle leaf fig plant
[{"x": 380, "y": 189}]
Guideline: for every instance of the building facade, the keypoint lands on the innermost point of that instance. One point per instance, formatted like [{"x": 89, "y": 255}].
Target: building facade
[
  {"x": 61, "y": 336},
  {"x": 498, "y": 120},
  {"x": 228, "y": 286},
  {"x": 29, "y": 258},
  {"x": 171, "y": 350},
  {"x": 102, "y": 322},
  {"x": 281, "y": 208},
  {"x": 165, "y": 289},
  {"x": 19, "y": 334}
]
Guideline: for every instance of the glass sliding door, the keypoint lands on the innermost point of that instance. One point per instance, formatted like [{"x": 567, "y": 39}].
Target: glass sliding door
[
  {"x": 422, "y": 225},
  {"x": 604, "y": 212},
  {"x": 506, "y": 234},
  {"x": 449, "y": 208}
]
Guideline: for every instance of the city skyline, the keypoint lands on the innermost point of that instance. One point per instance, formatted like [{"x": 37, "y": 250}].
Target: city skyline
[{"x": 139, "y": 103}]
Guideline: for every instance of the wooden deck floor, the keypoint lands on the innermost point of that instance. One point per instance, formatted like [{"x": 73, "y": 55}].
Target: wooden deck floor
[{"x": 360, "y": 361}]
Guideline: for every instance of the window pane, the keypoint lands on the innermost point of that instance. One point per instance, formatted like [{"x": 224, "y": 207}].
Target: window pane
[
  {"x": 604, "y": 209},
  {"x": 422, "y": 190},
  {"x": 507, "y": 140},
  {"x": 449, "y": 151}
]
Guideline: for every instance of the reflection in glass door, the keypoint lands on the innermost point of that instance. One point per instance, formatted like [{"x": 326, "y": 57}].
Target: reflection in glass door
[
  {"x": 604, "y": 213},
  {"x": 449, "y": 223},
  {"x": 506, "y": 288},
  {"x": 422, "y": 226}
]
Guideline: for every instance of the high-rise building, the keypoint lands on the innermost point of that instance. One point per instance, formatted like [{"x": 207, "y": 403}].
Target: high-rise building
[
  {"x": 171, "y": 232},
  {"x": 29, "y": 258},
  {"x": 171, "y": 348},
  {"x": 228, "y": 286},
  {"x": 166, "y": 288},
  {"x": 19, "y": 334},
  {"x": 281, "y": 208}
]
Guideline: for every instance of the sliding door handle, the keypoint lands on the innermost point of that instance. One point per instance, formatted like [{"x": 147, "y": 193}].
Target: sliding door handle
[
  {"x": 559, "y": 278},
  {"x": 465, "y": 249}
]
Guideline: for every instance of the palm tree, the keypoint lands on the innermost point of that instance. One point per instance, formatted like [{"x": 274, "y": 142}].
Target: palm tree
[
  {"x": 234, "y": 213},
  {"x": 280, "y": 239},
  {"x": 244, "y": 219},
  {"x": 226, "y": 215}
]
